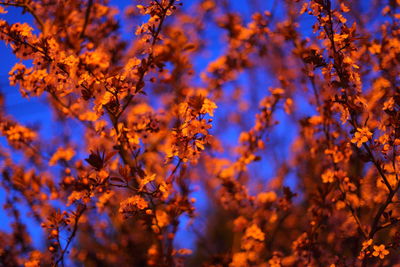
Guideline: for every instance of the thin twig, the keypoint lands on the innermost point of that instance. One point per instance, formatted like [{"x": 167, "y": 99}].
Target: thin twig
[
  {"x": 87, "y": 16},
  {"x": 28, "y": 8},
  {"x": 72, "y": 235}
]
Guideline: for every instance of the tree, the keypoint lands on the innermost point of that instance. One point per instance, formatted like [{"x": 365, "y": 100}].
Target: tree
[{"x": 299, "y": 166}]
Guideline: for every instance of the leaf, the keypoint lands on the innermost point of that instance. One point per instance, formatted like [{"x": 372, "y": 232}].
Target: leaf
[{"x": 95, "y": 160}]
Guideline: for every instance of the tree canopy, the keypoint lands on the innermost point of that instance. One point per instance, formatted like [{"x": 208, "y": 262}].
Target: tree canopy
[{"x": 202, "y": 133}]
